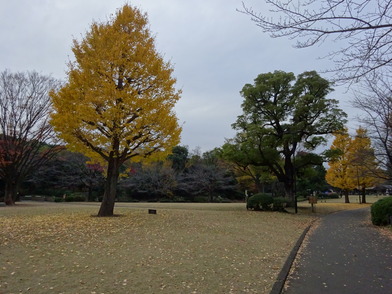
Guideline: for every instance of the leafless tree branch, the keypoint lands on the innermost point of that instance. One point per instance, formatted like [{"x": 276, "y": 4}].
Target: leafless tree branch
[
  {"x": 375, "y": 100},
  {"x": 26, "y": 137},
  {"x": 363, "y": 28}
]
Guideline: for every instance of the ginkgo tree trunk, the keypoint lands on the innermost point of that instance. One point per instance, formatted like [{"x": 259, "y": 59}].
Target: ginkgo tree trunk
[{"x": 118, "y": 102}]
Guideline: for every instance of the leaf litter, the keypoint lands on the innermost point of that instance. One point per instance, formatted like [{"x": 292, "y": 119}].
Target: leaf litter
[{"x": 176, "y": 251}]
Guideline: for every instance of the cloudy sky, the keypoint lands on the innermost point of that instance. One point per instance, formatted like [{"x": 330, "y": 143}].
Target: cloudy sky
[{"x": 215, "y": 50}]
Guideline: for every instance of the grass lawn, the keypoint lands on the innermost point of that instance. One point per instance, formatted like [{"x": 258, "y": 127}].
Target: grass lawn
[{"x": 184, "y": 248}]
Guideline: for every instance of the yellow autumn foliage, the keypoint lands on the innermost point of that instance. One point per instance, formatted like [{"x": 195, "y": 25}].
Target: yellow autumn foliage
[
  {"x": 363, "y": 162},
  {"x": 119, "y": 98},
  {"x": 338, "y": 173},
  {"x": 356, "y": 165}
]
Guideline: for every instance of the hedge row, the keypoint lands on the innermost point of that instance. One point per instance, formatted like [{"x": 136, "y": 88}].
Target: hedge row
[
  {"x": 381, "y": 212},
  {"x": 266, "y": 202}
]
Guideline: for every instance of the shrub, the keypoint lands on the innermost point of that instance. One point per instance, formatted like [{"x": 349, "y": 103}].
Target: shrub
[
  {"x": 328, "y": 195},
  {"x": 260, "y": 201},
  {"x": 179, "y": 199},
  {"x": 200, "y": 199},
  {"x": 263, "y": 201},
  {"x": 279, "y": 203},
  {"x": 381, "y": 211},
  {"x": 75, "y": 197},
  {"x": 333, "y": 195}
]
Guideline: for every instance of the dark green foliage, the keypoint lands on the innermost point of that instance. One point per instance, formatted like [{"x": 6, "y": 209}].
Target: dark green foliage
[
  {"x": 200, "y": 199},
  {"x": 282, "y": 112},
  {"x": 381, "y": 211},
  {"x": 75, "y": 197},
  {"x": 260, "y": 201},
  {"x": 266, "y": 202},
  {"x": 279, "y": 203},
  {"x": 310, "y": 174},
  {"x": 179, "y": 158},
  {"x": 245, "y": 161}
]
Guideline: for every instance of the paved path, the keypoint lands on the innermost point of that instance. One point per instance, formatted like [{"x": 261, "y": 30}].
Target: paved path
[{"x": 344, "y": 254}]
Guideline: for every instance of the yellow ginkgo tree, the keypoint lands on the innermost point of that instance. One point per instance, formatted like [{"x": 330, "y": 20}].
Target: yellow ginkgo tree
[
  {"x": 338, "y": 174},
  {"x": 363, "y": 164},
  {"x": 354, "y": 164},
  {"x": 118, "y": 102}
]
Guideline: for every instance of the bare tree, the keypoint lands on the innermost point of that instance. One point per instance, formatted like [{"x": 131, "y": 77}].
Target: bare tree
[
  {"x": 26, "y": 138},
  {"x": 204, "y": 179},
  {"x": 362, "y": 27},
  {"x": 155, "y": 180},
  {"x": 375, "y": 100}
]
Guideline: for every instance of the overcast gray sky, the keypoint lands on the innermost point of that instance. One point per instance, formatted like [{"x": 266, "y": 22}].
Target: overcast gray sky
[{"x": 215, "y": 50}]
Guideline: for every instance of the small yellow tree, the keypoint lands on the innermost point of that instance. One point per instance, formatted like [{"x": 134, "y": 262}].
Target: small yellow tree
[
  {"x": 363, "y": 165},
  {"x": 338, "y": 174},
  {"x": 118, "y": 102}
]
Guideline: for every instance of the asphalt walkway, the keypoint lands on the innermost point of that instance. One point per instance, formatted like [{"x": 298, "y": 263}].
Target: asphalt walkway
[{"x": 343, "y": 254}]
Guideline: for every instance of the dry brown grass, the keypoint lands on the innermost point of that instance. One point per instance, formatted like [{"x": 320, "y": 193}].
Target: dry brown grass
[{"x": 184, "y": 248}]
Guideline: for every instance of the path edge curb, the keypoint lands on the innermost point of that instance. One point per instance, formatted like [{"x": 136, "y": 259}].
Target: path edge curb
[{"x": 284, "y": 272}]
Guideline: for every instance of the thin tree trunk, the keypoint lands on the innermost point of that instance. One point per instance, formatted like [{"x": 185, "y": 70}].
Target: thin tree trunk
[
  {"x": 107, "y": 204},
  {"x": 363, "y": 195},
  {"x": 346, "y": 198},
  {"x": 89, "y": 193}
]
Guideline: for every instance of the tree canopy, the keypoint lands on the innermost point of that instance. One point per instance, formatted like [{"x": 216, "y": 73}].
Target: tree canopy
[
  {"x": 281, "y": 113},
  {"x": 354, "y": 164},
  {"x": 179, "y": 158},
  {"x": 246, "y": 162},
  {"x": 309, "y": 173},
  {"x": 118, "y": 102},
  {"x": 338, "y": 173}
]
